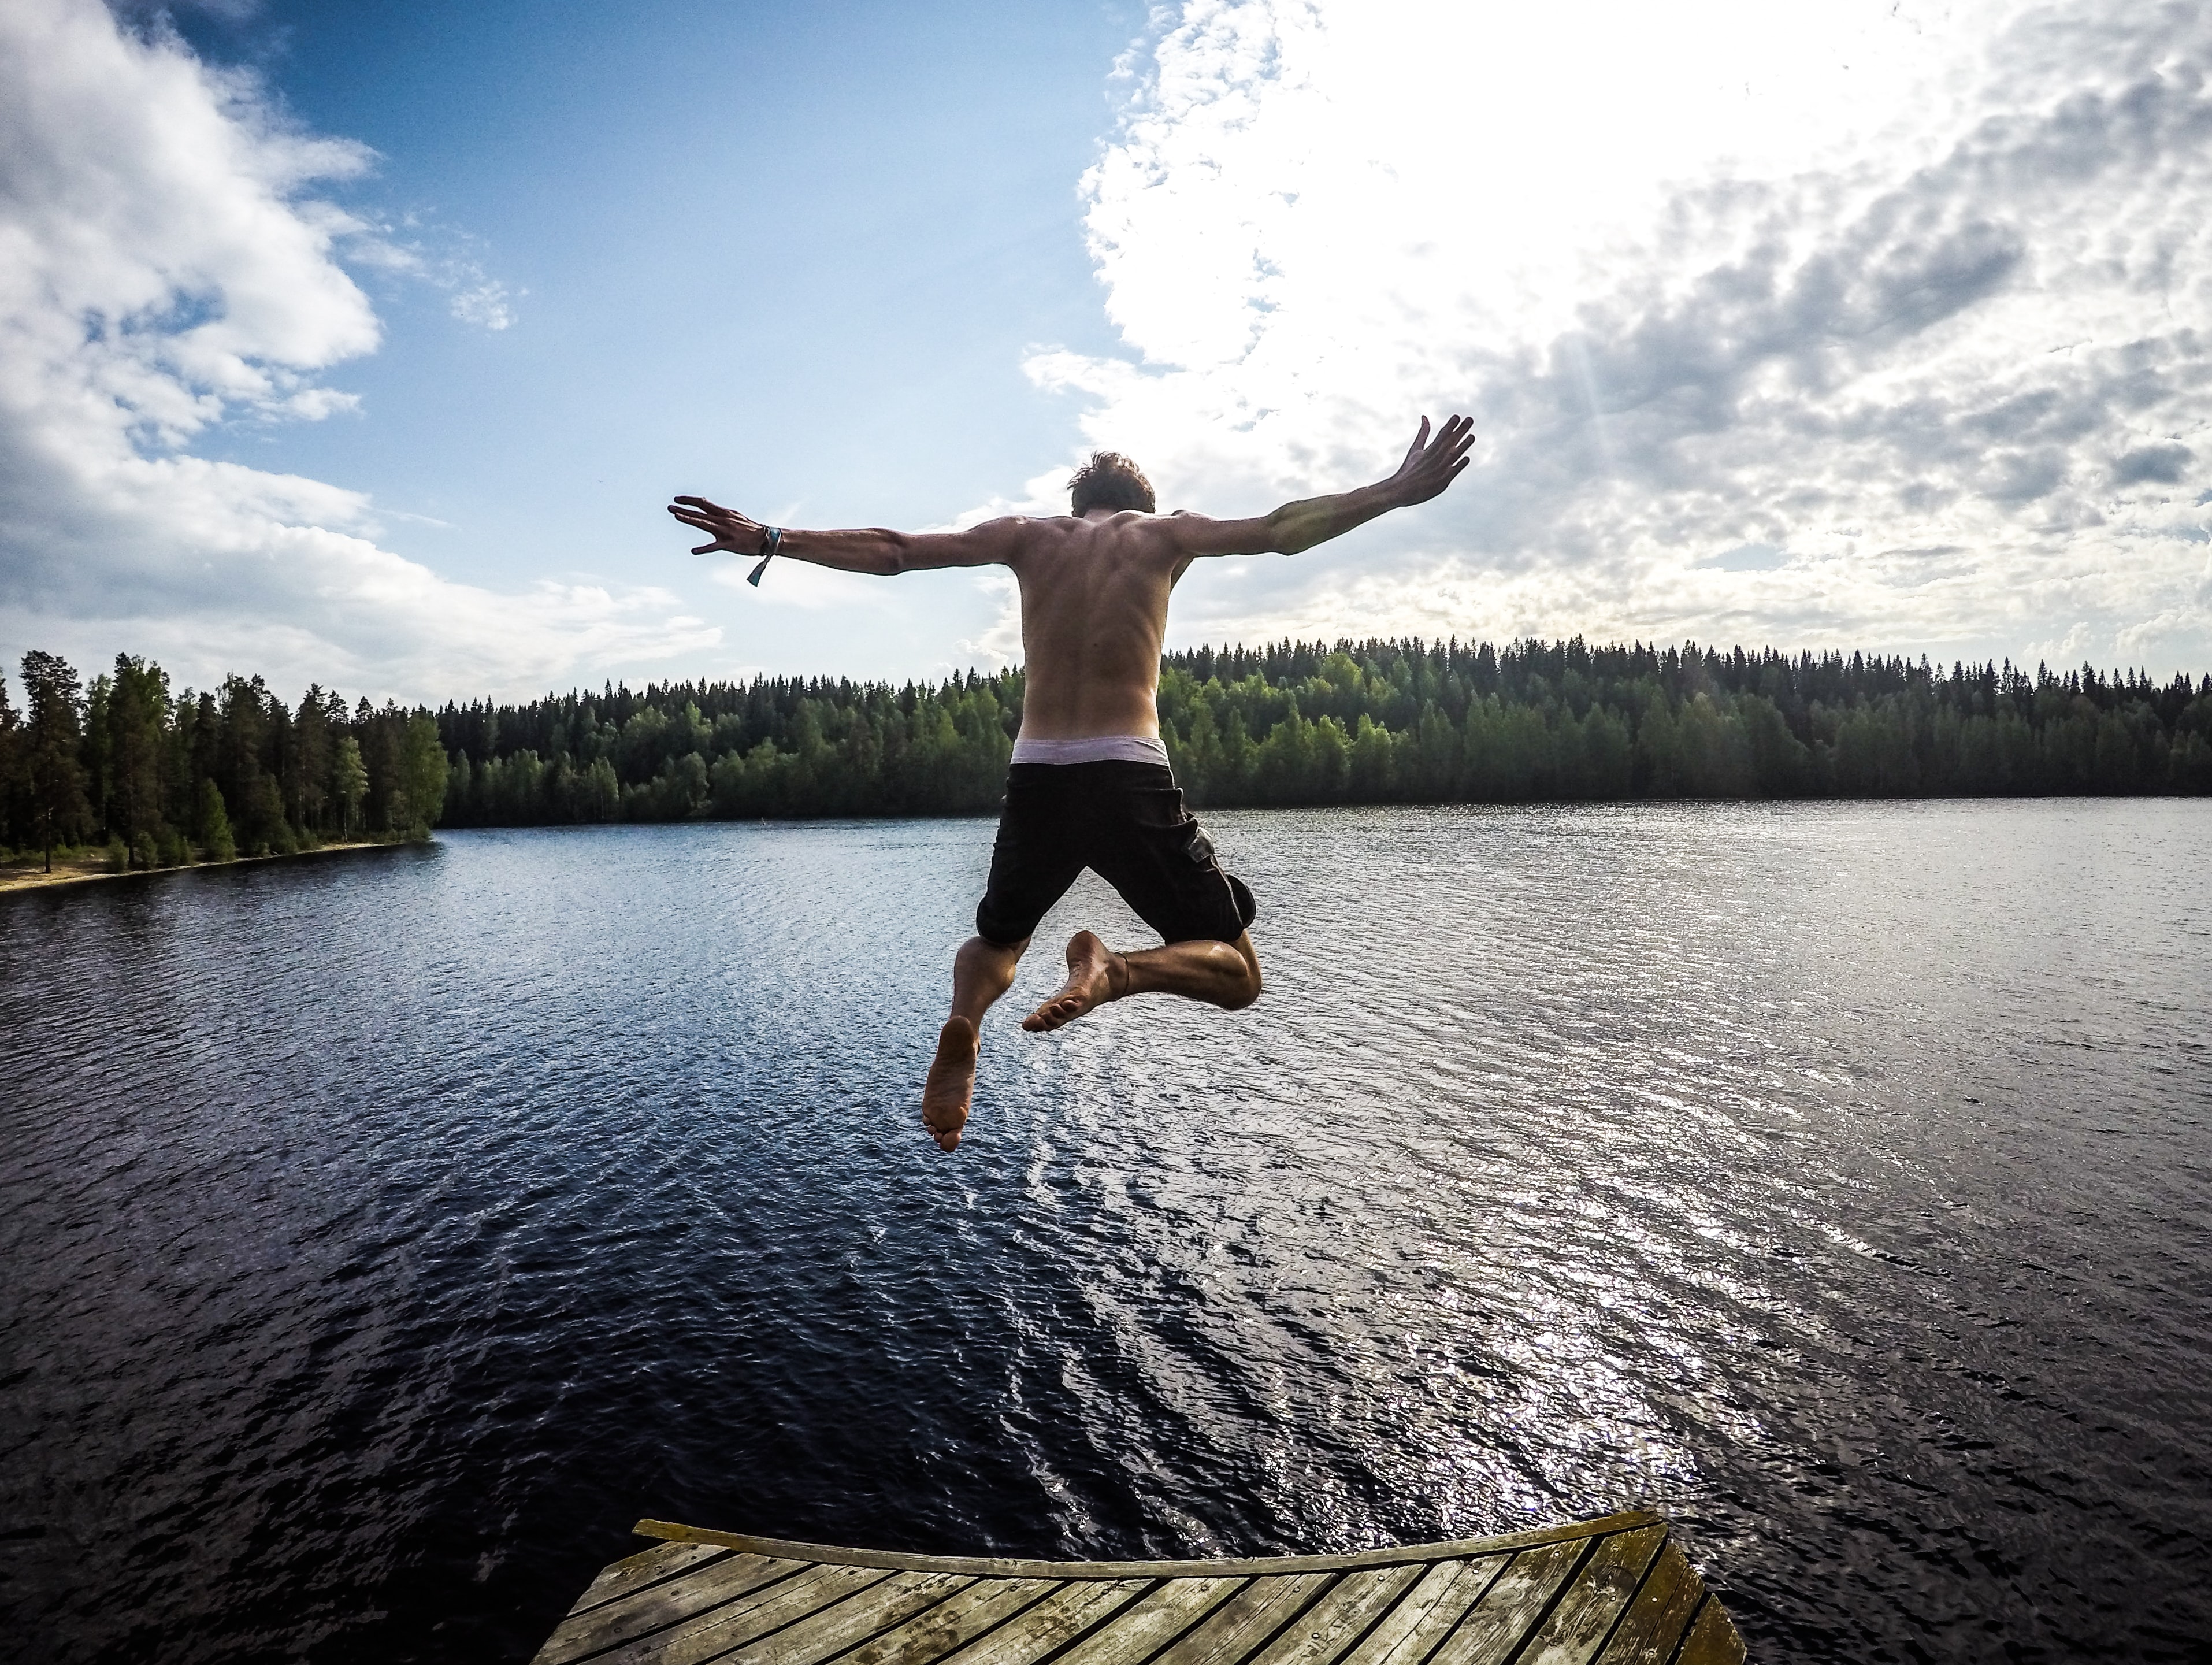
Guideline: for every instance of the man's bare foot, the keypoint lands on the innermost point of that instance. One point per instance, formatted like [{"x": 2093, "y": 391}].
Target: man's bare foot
[
  {"x": 951, "y": 1082},
  {"x": 1095, "y": 975}
]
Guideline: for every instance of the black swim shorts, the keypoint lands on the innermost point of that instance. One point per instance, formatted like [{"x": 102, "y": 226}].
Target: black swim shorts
[{"x": 1126, "y": 822}]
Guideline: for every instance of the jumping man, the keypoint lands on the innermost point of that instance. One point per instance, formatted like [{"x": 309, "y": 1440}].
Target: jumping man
[{"x": 1090, "y": 785}]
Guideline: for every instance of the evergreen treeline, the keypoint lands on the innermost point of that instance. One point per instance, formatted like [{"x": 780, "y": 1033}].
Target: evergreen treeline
[
  {"x": 1363, "y": 722},
  {"x": 159, "y": 780},
  {"x": 156, "y": 780}
]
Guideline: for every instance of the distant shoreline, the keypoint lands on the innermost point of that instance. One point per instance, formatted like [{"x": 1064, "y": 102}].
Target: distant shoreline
[{"x": 87, "y": 870}]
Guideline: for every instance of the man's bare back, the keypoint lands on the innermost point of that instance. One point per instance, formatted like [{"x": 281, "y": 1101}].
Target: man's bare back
[
  {"x": 1094, "y": 614},
  {"x": 1095, "y": 586}
]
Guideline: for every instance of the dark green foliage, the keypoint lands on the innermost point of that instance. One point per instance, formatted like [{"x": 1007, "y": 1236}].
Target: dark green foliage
[
  {"x": 137, "y": 719},
  {"x": 53, "y": 773},
  {"x": 1362, "y": 722},
  {"x": 348, "y": 783},
  {"x": 13, "y": 785},
  {"x": 233, "y": 772},
  {"x": 211, "y": 825},
  {"x": 717, "y": 751},
  {"x": 160, "y": 782}
]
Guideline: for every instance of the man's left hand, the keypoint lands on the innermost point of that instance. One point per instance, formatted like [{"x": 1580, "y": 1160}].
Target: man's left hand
[{"x": 1432, "y": 464}]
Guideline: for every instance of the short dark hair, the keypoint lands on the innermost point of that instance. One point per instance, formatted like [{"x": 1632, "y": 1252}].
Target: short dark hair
[{"x": 1109, "y": 480}]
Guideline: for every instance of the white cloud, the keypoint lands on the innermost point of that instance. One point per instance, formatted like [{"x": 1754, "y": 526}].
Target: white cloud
[
  {"x": 411, "y": 250},
  {"x": 163, "y": 268},
  {"x": 486, "y": 303},
  {"x": 1915, "y": 299},
  {"x": 1000, "y": 645}
]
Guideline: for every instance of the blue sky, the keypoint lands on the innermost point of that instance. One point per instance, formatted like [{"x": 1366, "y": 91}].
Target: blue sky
[
  {"x": 365, "y": 344},
  {"x": 790, "y": 254}
]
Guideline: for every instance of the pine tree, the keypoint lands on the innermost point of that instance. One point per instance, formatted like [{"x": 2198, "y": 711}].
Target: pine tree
[
  {"x": 55, "y": 734},
  {"x": 138, "y": 718},
  {"x": 12, "y": 810}
]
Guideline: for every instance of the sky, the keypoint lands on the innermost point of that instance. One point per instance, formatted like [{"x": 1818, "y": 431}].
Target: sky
[{"x": 364, "y": 345}]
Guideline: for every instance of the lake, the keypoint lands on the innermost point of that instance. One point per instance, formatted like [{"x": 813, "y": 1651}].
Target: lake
[{"x": 385, "y": 1233}]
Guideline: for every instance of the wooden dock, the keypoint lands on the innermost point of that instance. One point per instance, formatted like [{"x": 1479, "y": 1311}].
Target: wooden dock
[{"x": 1603, "y": 1592}]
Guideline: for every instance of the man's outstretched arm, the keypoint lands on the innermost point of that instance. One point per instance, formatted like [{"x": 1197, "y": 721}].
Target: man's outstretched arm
[
  {"x": 1431, "y": 464},
  {"x": 854, "y": 549}
]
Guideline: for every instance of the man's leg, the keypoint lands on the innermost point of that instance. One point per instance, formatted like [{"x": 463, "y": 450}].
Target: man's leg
[
  {"x": 982, "y": 971},
  {"x": 1226, "y": 975}
]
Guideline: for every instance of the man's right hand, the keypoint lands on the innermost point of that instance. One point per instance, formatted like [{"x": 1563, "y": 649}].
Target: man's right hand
[
  {"x": 1432, "y": 464},
  {"x": 740, "y": 534}
]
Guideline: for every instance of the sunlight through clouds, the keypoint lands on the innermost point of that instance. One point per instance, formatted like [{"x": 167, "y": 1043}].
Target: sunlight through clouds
[
  {"x": 1881, "y": 324},
  {"x": 1913, "y": 298}
]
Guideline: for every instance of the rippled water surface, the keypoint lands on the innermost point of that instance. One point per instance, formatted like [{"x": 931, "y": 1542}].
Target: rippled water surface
[{"x": 384, "y": 1234}]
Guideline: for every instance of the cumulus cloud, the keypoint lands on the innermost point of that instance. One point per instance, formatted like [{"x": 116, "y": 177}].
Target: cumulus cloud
[
  {"x": 1878, "y": 323},
  {"x": 165, "y": 266}
]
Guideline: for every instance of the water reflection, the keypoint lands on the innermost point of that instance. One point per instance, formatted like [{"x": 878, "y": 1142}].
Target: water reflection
[{"x": 385, "y": 1236}]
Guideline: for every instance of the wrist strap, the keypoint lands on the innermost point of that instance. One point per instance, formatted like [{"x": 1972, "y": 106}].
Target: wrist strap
[{"x": 768, "y": 553}]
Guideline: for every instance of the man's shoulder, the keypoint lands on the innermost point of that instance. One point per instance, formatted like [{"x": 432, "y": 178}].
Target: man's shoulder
[
  {"x": 1129, "y": 524},
  {"x": 1035, "y": 526},
  {"x": 1125, "y": 527}
]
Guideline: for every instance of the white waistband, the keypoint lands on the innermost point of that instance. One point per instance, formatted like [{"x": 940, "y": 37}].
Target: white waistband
[{"x": 1092, "y": 748}]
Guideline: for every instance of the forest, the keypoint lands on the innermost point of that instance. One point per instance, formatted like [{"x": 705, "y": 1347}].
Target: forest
[
  {"x": 150, "y": 778},
  {"x": 147, "y": 778},
  {"x": 1395, "y": 721}
]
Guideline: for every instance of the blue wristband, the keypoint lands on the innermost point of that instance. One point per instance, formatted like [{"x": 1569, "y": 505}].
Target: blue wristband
[{"x": 768, "y": 553}]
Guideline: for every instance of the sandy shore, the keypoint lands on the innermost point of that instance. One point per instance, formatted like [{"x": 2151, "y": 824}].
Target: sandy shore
[{"x": 85, "y": 871}]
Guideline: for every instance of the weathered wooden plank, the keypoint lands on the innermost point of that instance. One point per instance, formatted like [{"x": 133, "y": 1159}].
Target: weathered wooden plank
[
  {"x": 1509, "y": 1609},
  {"x": 1612, "y": 1591},
  {"x": 1246, "y": 1620},
  {"x": 952, "y": 1623},
  {"x": 1144, "y": 1626},
  {"x": 1070, "y": 1610},
  {"x": 830, "y": 1631},
  {"x": 1323, "y": 1632},
  {"x": 1659, "y": 1615},
  {"x": 1001, "y": 1567},
  {"x": 1577, "y": 1627},
  {"x": 1712, "y": 1640},
  {"x": 709, "y": 1635},
  {"x": 1417, "y": 1624},
  {"x": 658, "y": 1606},
  {"x": 648, "y": 1566}
]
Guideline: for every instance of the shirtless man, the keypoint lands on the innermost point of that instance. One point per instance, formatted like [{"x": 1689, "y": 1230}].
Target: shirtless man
[{"x": 1090, "y": 784}]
